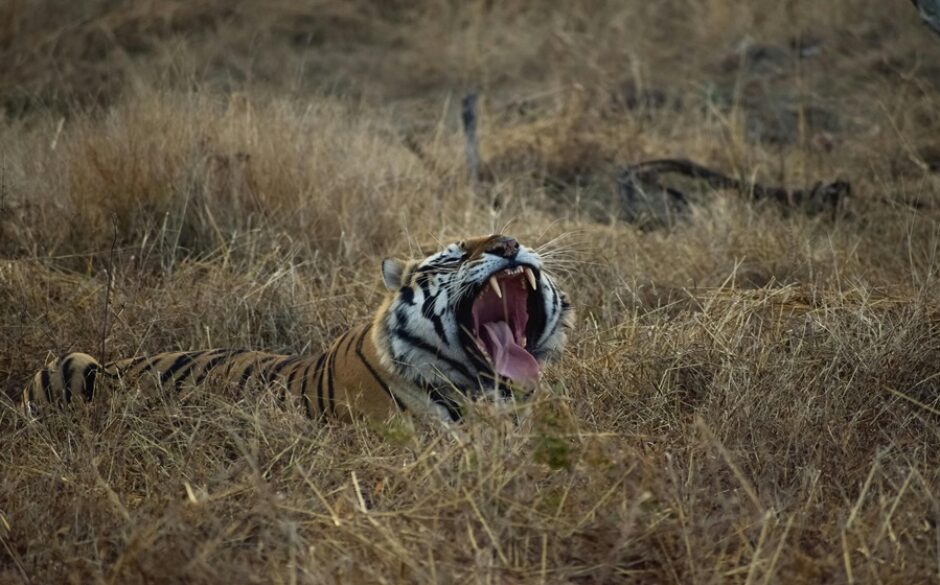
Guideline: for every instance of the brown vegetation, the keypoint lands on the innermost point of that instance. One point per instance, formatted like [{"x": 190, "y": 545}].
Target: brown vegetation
[{"x": 751, "y": 395}]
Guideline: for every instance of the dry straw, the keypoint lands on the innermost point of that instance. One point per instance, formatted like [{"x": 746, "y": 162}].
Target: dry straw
[{"x": 750, "y": 394}]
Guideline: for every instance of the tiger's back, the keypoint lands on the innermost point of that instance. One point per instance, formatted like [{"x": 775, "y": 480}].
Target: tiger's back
[{"x": 336, "y": 382}]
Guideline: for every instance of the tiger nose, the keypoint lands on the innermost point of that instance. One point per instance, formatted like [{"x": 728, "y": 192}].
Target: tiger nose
[{"x": 504, "y": 246}]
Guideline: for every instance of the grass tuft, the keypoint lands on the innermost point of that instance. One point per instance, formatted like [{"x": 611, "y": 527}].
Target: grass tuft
[{"x": 750, "y": 394}]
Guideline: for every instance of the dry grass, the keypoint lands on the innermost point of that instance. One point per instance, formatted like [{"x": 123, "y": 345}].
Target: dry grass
[{"x": 751, "y": 396}]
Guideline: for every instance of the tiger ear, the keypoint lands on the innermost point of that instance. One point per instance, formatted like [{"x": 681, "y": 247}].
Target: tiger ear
[{"x": 393, "y": 270}]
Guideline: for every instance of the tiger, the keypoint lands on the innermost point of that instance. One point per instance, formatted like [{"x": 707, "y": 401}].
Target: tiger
[{"x": 476, "y": 320}]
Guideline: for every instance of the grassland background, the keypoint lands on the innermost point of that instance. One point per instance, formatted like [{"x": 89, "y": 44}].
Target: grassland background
[{"x": 750, "y": 395}]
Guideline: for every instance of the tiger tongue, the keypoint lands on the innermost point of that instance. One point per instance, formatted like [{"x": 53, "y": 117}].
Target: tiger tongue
[{"x": 509, "y": 358}]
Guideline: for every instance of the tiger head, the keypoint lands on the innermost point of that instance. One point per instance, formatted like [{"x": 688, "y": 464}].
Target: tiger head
[{"x": 473, "y": 317}]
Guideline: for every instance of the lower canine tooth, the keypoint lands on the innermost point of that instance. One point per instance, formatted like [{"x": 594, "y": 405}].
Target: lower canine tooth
[
  {"x": 495, "y": 285},
  {"x": 530, "y": 276}
]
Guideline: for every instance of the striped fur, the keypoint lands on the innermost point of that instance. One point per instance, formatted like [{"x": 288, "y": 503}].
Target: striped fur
[{"x": 416, "y": 355}]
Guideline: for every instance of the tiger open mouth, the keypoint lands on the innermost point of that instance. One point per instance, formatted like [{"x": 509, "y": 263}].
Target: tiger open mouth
[{"x": 505, "y": 321}]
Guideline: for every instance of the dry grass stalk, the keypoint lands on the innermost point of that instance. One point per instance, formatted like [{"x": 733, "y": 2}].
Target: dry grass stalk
[{"x": 750, "y": 397}]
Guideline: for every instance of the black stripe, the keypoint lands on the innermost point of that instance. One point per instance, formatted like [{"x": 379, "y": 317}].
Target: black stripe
[
  {"x": 425, "y": 286},
  {"x": 504, "y": 390},
  {"x": 453, "y": 409},
  {"x": 246, "y": 374},
  {"x": 134, "y": 362},
  {"x": 264, "y": 366},
  {"x": 481, "y": 362},
  {"x": 303, "y": 389},
  {"x": 347, "y": 338},
  {"x": 407, "y": 295},
  {"x": 423, "y": 345},
  {"x": 303, "y": 386},
  {"x": 499, "y": 384},
  {"x": 430, "y": 267},
  {"x": 147, "y": 363},
  {"x": 259, "y": 365},
  {"x": 427, "y": 311},
  {"x": 89, "y": 376},
  {"x": 318, "y": 372},
  {"x": 45, "y": 383},
  {"x": 177, "y": 364},
  {"x": 287, "y": 360},
  {"x": 556, "y": 302},
  {"x": 321, "y": 388},
  {"x": 439, "y": 328},
  {"x": 211, "y": 364},
  {"x": 66, "y": 368},
  {"x": 349, "y": 342},
  {"x": 185, "y": 373},
  {"x": 331, "y": 376},
  {"x": 282, "y": 396},
  {"x": 372, "y": 371},
  {"x": 271, "y": 375},
  {"x": 266, "y": 363},
  {"x": 193, "y": 367}
]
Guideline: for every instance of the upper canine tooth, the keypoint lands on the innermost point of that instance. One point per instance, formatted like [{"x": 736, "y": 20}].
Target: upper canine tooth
[
  {"x": 495, "y": 285},
  {"x": 530, "y": 276}
]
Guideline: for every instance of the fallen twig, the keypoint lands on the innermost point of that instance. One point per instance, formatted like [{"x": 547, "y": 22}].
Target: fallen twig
[
  {"x": 468, "y": 114},
  {"x": 639, "y": 177}
]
